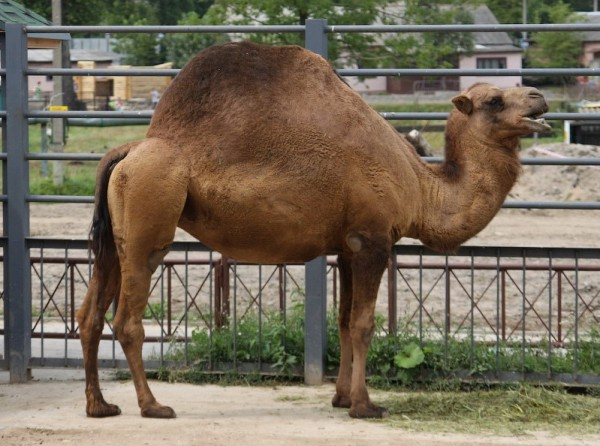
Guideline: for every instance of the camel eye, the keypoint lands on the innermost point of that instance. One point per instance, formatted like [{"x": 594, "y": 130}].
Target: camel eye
[{"x": 495, "y": 102}]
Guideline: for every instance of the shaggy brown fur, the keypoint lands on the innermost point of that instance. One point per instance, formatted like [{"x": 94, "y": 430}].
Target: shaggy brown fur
[{"x": 265, "y": 155}]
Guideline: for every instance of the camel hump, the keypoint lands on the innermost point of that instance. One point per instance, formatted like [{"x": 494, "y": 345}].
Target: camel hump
[{"x": 239, "y": 78}]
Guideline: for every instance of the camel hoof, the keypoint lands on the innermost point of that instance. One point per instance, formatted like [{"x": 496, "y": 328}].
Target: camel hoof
[
  {"x": 341, "y": 401},
  {"x": 158, "y": 411},
  {"x": 102, "y": 410},
  {"x": 368, "y": 411}
]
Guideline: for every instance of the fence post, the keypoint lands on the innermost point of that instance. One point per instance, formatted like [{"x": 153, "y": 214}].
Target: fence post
[
  {"x": 315, "y": 309},
  {"x": 17, "y": 274}
]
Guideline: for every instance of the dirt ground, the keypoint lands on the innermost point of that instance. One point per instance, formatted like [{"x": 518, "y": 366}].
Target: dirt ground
[{"x": 50, "y": 409}]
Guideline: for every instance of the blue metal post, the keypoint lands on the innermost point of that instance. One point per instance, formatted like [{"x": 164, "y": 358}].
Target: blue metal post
[
  {"x": 315, "y": 309},
  {"x": 17, "y": 278}
]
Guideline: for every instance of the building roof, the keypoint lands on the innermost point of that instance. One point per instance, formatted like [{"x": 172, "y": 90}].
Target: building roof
[
  {"x": 590, "y": 17},
  {"x": 13, "y": 12},
  {"x": 490, "y": 41}
]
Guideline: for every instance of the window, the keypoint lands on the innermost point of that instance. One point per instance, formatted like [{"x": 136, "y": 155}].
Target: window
[{"x": 491, "y": 63}]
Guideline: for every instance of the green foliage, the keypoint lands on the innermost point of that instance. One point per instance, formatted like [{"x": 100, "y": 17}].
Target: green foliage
[
  {"x": 402, "y": 359},
  {"x": 428, "y": 50},
  {"x": 154, "y": 311},
  {"x": 143, "y": 49},
  {"x": 292, "y": 12},
  {"x": 156, "y": 12},
  {"x": 268, "y": 338},
  {"x": 410, "y": 356},
  {"x": 555, "y": 49},
  {"x": 75, "y": 12},
  {"x": 75, "y": 183},
  {"x": 181, "y": 47}
]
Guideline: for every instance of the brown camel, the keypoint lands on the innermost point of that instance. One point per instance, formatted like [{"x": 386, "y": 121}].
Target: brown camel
[{"x": 266, "y": 155}]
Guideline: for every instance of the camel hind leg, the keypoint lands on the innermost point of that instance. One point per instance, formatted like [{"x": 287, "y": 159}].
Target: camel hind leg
[
  {"x": 145, "y": 202},
  {"x": 104, "y": 286}
]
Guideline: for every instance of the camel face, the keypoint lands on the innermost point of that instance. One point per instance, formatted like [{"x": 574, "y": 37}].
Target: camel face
[{"x": 508, "y": 112}]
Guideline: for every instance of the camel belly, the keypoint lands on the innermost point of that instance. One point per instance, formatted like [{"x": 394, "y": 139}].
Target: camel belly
[{"x": 255, "y": 224}]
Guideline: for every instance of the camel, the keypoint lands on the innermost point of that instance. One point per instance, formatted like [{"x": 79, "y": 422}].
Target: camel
[{"x": 266, "y": 155}]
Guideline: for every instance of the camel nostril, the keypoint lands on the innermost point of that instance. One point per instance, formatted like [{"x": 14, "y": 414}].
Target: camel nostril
[{"x": 535, "y": 94}]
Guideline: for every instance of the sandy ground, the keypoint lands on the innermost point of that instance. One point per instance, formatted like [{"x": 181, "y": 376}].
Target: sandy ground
[{"x": 50, "y": 411}]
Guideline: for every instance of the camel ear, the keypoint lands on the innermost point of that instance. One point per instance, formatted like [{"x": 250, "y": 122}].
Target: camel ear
[{"x": 463, "y": 104}]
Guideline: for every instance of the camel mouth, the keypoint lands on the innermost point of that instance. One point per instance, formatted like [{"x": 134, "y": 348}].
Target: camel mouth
[{"x": 539, "y": 124}]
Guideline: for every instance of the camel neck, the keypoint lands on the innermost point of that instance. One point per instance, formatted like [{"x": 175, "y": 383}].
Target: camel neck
[{"x": 464, "y": 193}]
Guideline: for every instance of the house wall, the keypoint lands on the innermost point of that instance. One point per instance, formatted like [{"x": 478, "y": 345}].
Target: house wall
[
  {"x": 513, "y": 61},
  {"x": 589, "y": 48},
  {"x": 375, "y": 84}
]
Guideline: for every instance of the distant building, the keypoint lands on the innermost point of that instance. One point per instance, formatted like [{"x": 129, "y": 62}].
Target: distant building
[
  {"x": 42, "y": 58},
  {"x": 591, "y": 44},
  {"x": 493, "y": 50}
]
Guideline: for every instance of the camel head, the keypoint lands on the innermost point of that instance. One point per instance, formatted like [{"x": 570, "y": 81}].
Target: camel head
[{"x": 503, "y": 113}]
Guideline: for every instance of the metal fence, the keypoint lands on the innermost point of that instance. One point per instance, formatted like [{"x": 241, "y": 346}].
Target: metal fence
[{"x": 517, "y": 299}]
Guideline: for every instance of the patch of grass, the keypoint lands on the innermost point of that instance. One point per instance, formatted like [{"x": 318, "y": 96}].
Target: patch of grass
[
  {"x": 79, "y": 177},
  {"x": 76, "y": 181},
  {"x": 154, "y": 311},
  {"x": 90, "y": 139},
  {"x": 508, "y": 410}
]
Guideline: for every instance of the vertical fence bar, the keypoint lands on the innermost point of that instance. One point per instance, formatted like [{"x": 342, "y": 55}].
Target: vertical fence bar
[
  {"x": 447, "y": 319},
  {"x": 576, "y": 329},
  {"x": 421, "y": 298},
  {"x": 549, "y": 314},
  {"x": 4, "y": 146},
  {"x": 17, "y": 274},
  {"x": 392, "y": 295},
  {"x": 524, "y": 311},
  {"x": 472, "y": 313},
  {"x": 315, "y": 336},
  {"x": 559, "y": 321},
  {"x": 260, "y": 318},
  {"x": 499, "y": 328},
  {"x": 66, "y": 307}
]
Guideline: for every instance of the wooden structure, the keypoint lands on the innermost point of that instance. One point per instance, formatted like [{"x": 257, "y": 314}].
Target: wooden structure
[{"x": 128, "y": 88}]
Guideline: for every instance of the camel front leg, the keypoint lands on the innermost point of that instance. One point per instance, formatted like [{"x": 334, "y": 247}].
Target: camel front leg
[
  {"x": 343, "y": 383},
  {"x": 368, "y": 266},
  {"x": 104, "y": 286}
]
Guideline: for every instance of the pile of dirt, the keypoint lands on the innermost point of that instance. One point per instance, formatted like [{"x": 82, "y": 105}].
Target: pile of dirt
[{"x": 559, "y": 183}]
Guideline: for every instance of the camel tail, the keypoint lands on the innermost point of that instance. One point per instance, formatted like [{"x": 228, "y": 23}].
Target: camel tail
[{"x": 102, "y": 241}]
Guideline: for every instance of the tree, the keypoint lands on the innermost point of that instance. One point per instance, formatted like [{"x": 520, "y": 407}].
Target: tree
[
  {"x": 431, "y": 50},
  {"x": 181, "y": 47},
  {"x": 555, "y": 49},
  {"x": 149, "y": 49},
  {"x": 294, "y": 12},
  {"x": 358, "y": 49},
  {"x": 75, "y": 12}
]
